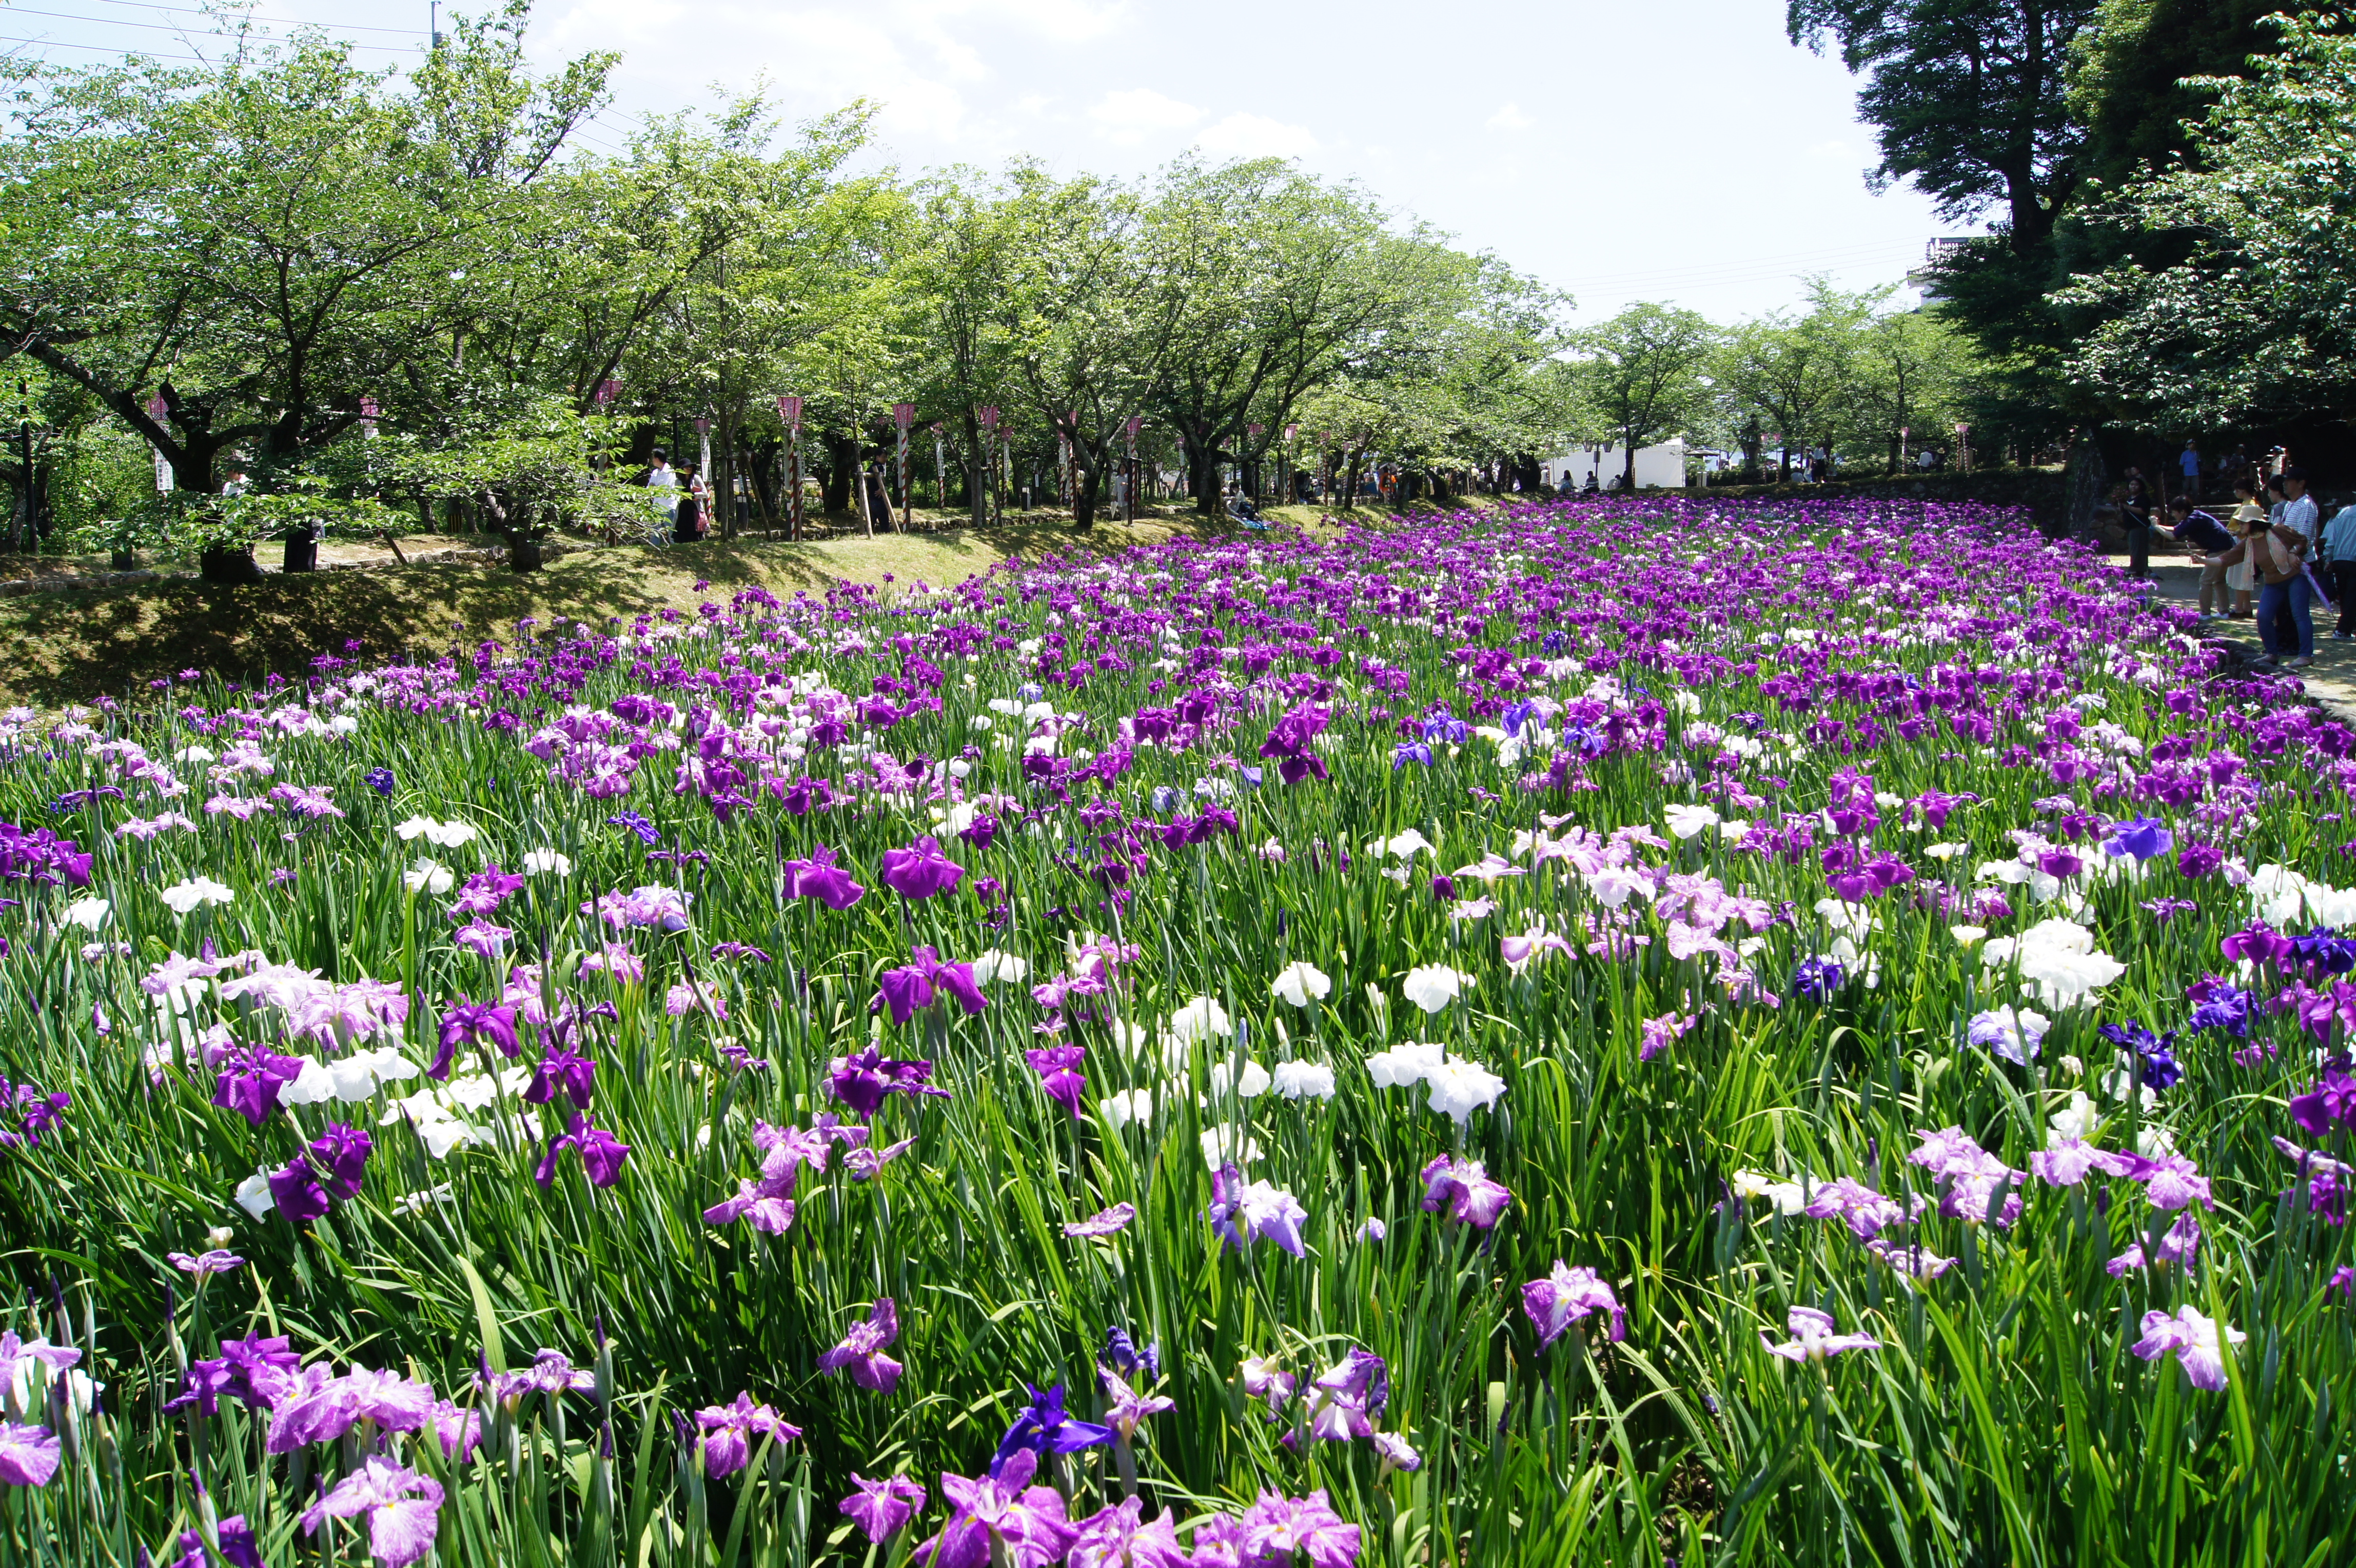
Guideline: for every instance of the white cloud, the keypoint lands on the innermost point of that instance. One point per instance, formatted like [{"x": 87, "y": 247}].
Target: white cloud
[
  {"x": 1244, "y": 135},
  {"x": 1136, "y": 113},
  {"x": 1510, "y": 118}
]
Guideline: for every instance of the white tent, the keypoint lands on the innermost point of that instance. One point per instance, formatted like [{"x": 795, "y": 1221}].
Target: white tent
[{"x": 1661, "y": 467}]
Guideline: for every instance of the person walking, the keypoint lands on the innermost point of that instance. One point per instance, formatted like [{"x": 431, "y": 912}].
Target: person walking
[
  {"x": 2188, "y": 463},
  {"x": 663, "y": 481},
  {"x": 2339, "y": 553},
  {"x": 2209, "y": 539},
  {"x": 2279, "y": 555}
]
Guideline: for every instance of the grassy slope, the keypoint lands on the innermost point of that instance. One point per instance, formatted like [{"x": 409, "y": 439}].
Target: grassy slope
[{"x": 71, "y": 647}]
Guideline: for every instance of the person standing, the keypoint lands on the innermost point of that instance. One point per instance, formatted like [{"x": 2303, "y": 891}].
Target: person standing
[
  {"x": 2279, "y": 555},
  {"x": 664, "y": 483},
  {"x": 688, "y": 520},
  {"x": 2339, "y": 551},
  {"x": 2134, "y": 523},
  {"x": 2188, "y": 463},
  {"x": 2242, "y": 577}
]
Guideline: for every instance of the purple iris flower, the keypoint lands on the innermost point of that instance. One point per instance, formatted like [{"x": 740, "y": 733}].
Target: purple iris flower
[
  {"x": 217, "y": 1261},
  {"x": 402, "y": 1508},
  {"x": 910, "y": 988},
  {"x": 2142, "y": 837},
  {"x": 1464, "y": 1189},
  {"x": 1043, "y": 1427},
  {"x": 820, "y": 879},
  {"x": 730, "y": 1431},
  {"x": 1566, "y": 1296},
  {"x": 2329, "y": 1106},
  {"x": 298, "y": 1193},
  {"x": 921, "y": 870},
  {"x": 862, "y": 1351},
  {"x": 238, "y": 1547},
  {"x": 1121, "y": 1354},
  {"x": 883, "y": 1509},
  {"x": 342, "y": 1153},
  {"x": 484, "y": 893},
  {"x": 2219, "y": 1004},
  {"x": 487, "y": 1022},
  {"x": 1277, "y": 1529},
  {"x": 1055, "y": 1065},
  {"x": 378, "y": 780},
  {"x": 562, "y": 1071},
  {"x": 638, "y": 824},
  {"x": 1815, "y": 979},
  {"x": 864, "y": 1079},
  {"x": 1003, "y": 1506},
  {"x": 1410, "y": 751},
  {"x": 249, "y": 1081},
  {"x": 603, "y": 1156}
]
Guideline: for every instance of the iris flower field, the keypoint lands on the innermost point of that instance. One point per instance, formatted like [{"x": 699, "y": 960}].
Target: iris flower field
[{"x": 1621, "y": 1032}]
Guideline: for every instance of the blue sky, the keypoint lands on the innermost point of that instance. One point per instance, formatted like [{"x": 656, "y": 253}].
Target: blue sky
[{"x": 1680, "y": 150}]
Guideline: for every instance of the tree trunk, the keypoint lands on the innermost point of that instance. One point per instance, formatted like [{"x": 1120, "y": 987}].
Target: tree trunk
[
  {"x": 1083, "y": 495},
  {"x": 228, "y": 565},
  {"x": 841, "y": 470},
  {"x": 1203, "y": 474},
  {"x": 2085, "y": 477}
]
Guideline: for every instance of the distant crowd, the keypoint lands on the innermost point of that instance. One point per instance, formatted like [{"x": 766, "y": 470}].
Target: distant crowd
[{"x": 2271, "y": 556}]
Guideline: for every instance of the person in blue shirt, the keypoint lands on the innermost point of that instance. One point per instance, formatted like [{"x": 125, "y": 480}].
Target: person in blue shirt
[
  {"x": 2188, "y": 463},
  {"x": 2210, "y": 539},
  {"x": 2339, "y": 553}
]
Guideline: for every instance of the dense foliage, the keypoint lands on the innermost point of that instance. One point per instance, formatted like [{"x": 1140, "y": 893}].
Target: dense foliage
[{"x": 1730, "y": 1033}]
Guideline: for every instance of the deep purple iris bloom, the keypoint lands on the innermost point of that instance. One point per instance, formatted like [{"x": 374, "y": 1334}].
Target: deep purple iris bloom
[
  {"x": 1043, "y": 1427},
  {"x": 562, "y": 1071},
  {"x": 1121, "y": 1354},
  {"x": 861, "y": 1353},
  {"x": 2142, "y": 837},
  {"x": 820, "y": 879},
  {"x": 378, "y": 780},
  {"x": 730, "y": 1431},
  {"x": 2329, "y": 1106},
  {"x": 910, "y": 988},
  {"x": 864, "y": 1079},
  {"x": 1815, "y": 979},
  {"x": 1465, "y": 1190},
  {"x": 638, "y": 824},
  {"x": 1055, "y": 1065},
  {"x": 603, "y": 1156},
  {"x": 921, "y": 870},
  {"x": 250, "y": 1080},
  {"x": 490, "y": 1022}
]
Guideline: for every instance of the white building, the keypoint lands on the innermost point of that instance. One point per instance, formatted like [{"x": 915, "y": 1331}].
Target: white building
[{"x": 1661, "y": 467}]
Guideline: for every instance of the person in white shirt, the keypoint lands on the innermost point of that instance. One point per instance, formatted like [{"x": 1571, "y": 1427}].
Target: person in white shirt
[{"x": 663, "y": 481}]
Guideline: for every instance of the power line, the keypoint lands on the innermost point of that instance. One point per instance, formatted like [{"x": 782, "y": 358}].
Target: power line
[
  {"x": 282, "y": 21},
  {"x": 178, "y": 31}
]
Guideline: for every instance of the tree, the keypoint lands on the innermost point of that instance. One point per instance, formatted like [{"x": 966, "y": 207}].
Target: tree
[
  {"x": 291, "y": 251},
  {"x": 1642, "y": 373},
  {"x": 1796, "y": 374},
  {"x": 2253, "y": 322},
  {"x": 1969, "y": 98}
]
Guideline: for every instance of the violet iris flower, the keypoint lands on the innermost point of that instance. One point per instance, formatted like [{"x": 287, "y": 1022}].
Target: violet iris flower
[
  {"x": 1055, "y": 1065},
  {"x": 562, "y": 1071},
  {"x": 864, "y": 1079},
  {"x": 862, "y": 1351},
  {"x": 29, "y": 1454},
  {"x": 486, "y": 1023},
  {"x": 921, "y": 870},
  {"x": 820, "y": 879},
  {"x": 2199, "y": 1343},
  {"x": 1002, "y": 1507},
  {"x": 316, "y": 1407},
  {"x": 910, "y": 988},
  {"x": 1567, "y": 1296},
  {"x": 882, "y": 1509},
  {"x": 238, "y": 1547},
  {"x": 342, "y": 1153},
  {"x": 1815, "y": 979},
  {"x": 603, "y": 1156},
  {"x": 2142, "y": 837},
  {"x": 1104, "y": 1222},
  {"x": 730, "y": 1431},
  {"x": 648, "y": 833},
  {"x": 1277, "y": 1529},
  {"x": 1812, "y": 1338},
  {"x": 1243, "y": 1212},
  {"x": 1120, "y": 1352},
  {"x": 1116, "y": 1536},
  {"x": 1463, "y": 1188},
  {"x": 402, "y": 1508},
  {"x": 1043, "y": 1427},
  {"x": 217, "y": 1261},
  {"x": 250, "y": 1080},
  {"x": 1126, "y": 1407},
  {"x": 2329, "y": 1106}
]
